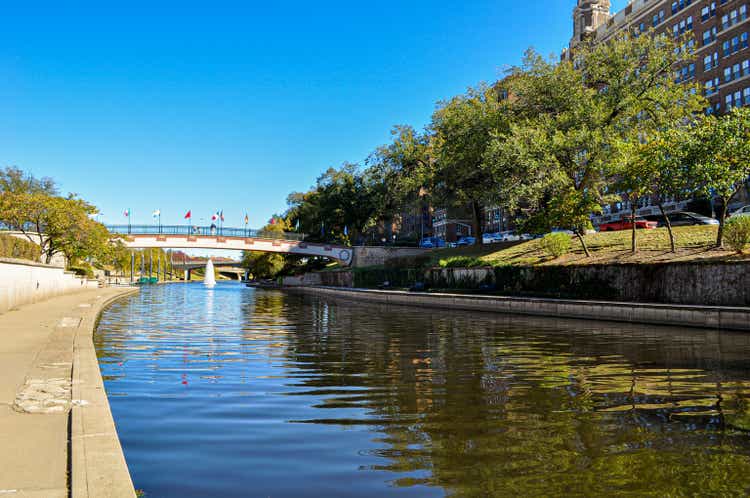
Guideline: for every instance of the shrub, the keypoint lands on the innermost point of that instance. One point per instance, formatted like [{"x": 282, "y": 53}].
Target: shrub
[
  {"x": 14, "y": 247},
  {"x": 556, "y": 244},
  {"x": 462, "y": 262},
  {"x": 737, "y": 232},
  {"x": 82, "y": 270}
]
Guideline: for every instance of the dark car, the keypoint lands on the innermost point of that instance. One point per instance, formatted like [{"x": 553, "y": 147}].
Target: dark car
[{"x": 683, "y": 218}]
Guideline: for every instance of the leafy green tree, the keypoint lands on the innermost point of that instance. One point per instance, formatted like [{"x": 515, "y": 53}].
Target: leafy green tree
[
  {"x": 15, "y": 180},
  {"x": 267, "y": 264},
  {"x": 720, "y": 152},
  {"x": 658, "y": 168},
  {"x": 462, "y": 129},
  {"x": 340, "y": 202},
  {"x": 64, "y": 223},
  {"x": 571, "y": 116},
  {"x": 397, "y": 174}
]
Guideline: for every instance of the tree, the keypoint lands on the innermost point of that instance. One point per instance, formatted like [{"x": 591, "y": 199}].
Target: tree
[
  {"x": 267, "y": 264},
  {"x": 14, "y": 180},
  {"x": 397, "y": 174},
  {"x": 573, "y": 113},
  {"x": 554, "y": 154},
  {"x": 57, "y": 224},
  {"x": 340, "y": 202},
  {"x": 659, "y": 168},
  {"x": 720, "y": 152},
  {"x": 463, "y": 128},
  {"x": 637, "y": 74}
]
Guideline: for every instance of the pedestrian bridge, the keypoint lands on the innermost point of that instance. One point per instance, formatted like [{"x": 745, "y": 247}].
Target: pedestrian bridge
[{"x": 237, "y": 239}]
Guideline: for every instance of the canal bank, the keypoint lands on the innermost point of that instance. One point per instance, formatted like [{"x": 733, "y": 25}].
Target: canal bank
[
  {"x": 713, "y": 317},
  {"x": 56, "y": 429}
]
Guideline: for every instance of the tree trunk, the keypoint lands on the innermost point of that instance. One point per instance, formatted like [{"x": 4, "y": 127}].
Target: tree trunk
[
  {"x": 672, "y": 244},
  {"x": 722, "y": 221},
  {"x": 476, "y": 222},
  {"x": 583, "y": 243},
  {"x": 634, "y": 237}
]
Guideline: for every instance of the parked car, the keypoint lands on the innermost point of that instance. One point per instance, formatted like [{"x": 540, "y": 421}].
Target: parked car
[
  {"x": 490, "y": 238},
  {"x": 627, "y": 224},
  {"x": 465, "y": 241},
  {"x": 683, "y": 218},
  {"x": 743, "y": 211},
  {"x": 431, "y": 243}
]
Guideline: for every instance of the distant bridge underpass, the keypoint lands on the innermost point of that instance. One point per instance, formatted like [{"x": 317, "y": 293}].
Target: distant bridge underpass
[{"x": 232, "y": 239}]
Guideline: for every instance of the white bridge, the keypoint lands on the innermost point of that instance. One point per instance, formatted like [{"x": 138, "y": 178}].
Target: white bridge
[{"x": 191, "y": 237}]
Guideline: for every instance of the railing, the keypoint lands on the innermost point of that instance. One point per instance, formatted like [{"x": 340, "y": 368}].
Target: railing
[{"x": 206, "y": 231}]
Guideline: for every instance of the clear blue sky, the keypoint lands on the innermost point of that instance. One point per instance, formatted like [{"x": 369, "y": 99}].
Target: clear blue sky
[{"x": 232, "y": 105}]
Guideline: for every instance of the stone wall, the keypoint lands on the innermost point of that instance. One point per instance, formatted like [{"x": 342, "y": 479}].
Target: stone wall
[
  {"x": 378, "y": 256},
  {"x": 711, "y": 283},
  {"x": 719, "y": 284},
  {"x": 24, "y": 282}
]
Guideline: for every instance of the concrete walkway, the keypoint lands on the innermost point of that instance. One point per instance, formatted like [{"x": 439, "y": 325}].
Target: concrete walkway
[{"x": 37, "y": 351}]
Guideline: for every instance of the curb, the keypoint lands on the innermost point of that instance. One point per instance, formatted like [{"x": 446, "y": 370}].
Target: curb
[
  {"x": 707, "y": 317},
  {"x": 97, "y": 464}
]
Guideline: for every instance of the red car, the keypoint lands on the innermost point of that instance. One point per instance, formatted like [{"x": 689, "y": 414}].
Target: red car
[{"x": 627, "y": 224}]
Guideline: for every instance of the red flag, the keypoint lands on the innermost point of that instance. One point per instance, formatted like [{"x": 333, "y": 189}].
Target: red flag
[
  {"x": 272, "y": 221},
  {"x": 189, "y": 214},
  {"x": 222, "y": 215}
]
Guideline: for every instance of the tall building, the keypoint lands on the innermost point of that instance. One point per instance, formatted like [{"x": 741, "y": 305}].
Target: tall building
[{"x": 719, "y": 31}]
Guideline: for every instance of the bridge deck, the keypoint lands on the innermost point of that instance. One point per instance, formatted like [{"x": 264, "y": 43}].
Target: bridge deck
[{"x": 203, "y": 230}]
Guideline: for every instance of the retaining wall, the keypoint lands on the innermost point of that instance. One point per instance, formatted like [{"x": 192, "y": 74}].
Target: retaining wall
[
  {"x": 714, "y": 283},
  {"x": 710, "y": 283},
  {"x": 23, "y": 282},
  {"x": 378, "y": 256}
]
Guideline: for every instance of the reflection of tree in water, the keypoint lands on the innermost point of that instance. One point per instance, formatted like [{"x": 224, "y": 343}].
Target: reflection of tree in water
[{"x": 483, "y": 407}]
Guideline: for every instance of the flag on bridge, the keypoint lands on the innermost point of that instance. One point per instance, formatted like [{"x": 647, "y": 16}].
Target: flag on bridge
[
  {"x": 221, "y": 215},
  {"x": 189, "y": 214},
  {"x": 156, "y": 213},
  {"x": 247, "y": 220},
  {"x": 126, "y": 213},
  {"x": 215, "y": 216}
]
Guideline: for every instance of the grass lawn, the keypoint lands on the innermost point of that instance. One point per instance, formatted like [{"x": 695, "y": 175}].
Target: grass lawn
[{"x": 693, "y": 244}]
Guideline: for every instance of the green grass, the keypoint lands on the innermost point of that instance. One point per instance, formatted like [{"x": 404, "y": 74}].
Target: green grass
[{"x": 693, "y": 243}]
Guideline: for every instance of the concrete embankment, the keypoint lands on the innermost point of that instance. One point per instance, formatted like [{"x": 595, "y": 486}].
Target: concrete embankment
[
  {"x": 714, "y": 317},
  {"x": 24, "y": 282},
  {"x": 56, "y": 430}
]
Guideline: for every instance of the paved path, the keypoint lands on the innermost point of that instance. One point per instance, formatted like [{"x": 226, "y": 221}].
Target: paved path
[{"x": 36, "y": 368}]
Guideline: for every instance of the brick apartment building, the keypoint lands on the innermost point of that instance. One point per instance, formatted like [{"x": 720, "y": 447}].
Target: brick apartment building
[
  {"x": 717, "y": 31},
  {"x": 719, "y": 37}
]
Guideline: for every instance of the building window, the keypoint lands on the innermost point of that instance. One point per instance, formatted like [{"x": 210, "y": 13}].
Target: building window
[{"x": 708, "y": 12}]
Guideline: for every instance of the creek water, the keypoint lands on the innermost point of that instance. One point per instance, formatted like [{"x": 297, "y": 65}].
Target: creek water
[{"x": 235, "y": 392}]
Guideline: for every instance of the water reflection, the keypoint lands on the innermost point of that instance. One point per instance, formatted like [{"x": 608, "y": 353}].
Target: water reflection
[{"x": 234, "y": 392}]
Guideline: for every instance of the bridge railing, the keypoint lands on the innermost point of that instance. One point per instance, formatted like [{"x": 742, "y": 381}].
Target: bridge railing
[{"x": 202, "y": 230}]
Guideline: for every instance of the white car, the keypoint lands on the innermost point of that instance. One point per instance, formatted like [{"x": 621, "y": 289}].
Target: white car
[{"x": 743, "y": 211}]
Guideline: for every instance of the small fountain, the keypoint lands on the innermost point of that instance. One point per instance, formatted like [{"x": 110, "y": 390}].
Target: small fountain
[{"x": 210, "y": 280}]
